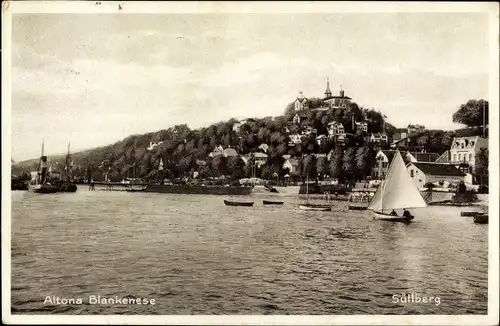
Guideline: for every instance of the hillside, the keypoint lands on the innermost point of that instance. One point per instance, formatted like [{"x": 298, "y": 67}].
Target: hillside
[{"x": 183, "y": 150}]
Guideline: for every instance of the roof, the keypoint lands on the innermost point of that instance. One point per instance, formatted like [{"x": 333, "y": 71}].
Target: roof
[
  {"x": 438, "y": 169},
  {"x": 302, "y": 114},
  {"x": 444, "y": 158},
  {"x": 230, "y": 152},
  {"x": 425, "y": 157},
  {"x": 259, "y": 155},
  {"x": 334, "y": 97},
  {"x": 301, "y": 99},
  {"x": 389, "y": 154}
]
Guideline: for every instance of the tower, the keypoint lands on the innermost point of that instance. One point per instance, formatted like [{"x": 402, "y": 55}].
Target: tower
[{"x": 328, "y": 92}]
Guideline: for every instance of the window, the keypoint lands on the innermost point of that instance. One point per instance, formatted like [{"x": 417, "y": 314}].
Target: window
[
  {"x": 411, "y": 173},
  {"x": 462, "y": 145},
  {"x": 460, "y": 157},
  {"x": 454, "y": 157},
  {"x": 470, "y": 157}
]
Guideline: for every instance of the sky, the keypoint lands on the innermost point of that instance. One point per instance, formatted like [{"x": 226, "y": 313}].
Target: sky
[{"x": 94, "y": 79}]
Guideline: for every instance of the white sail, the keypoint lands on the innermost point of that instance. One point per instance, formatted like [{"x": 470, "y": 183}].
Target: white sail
[{"x": 398, "y": 190}]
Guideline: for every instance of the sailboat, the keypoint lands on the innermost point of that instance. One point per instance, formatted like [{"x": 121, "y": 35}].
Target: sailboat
[
  {"x": 397, "y": 191},
  {"x": 40, "y": 184},
  {"x": 313, "y": 207}
]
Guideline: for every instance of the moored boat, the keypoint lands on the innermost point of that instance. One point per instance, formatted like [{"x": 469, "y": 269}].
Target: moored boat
[
  {"x": 45, "y": 188},
  {"x": 272, "y": 202},
  {"x": 237, "y": 203},
  {"x": 313, "y": 207},
  {"x": 397, "y": 191},
  {"x": 481, "y": 218},
  {"x": 357, "y": 207}
]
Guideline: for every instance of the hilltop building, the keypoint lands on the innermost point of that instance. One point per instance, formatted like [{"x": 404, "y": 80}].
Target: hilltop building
[
  {"x": 329, "y": 101},
  {"x": 335, "y": 102}
]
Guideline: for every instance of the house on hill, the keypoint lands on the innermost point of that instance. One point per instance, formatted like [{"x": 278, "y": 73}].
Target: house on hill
[
  {"x": 260, "y": 158},
  {"x": 423, "y": 172},
  {"x": 293, "y": 166},
  {"x": 378, "y": 137},
  {"x": 414, "y": 129},
  {"x": 362, "y": 126},
  {"x": 239, "y": 124},
  {"x": 301, "y": 103},
  {"x": 300, "y": 117},
  {"x": 295, "y": 139},
  {"x": 219, "y": 150}
]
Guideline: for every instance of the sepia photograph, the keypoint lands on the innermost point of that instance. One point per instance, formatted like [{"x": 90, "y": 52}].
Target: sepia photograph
[{"x": 252, "y": 163}]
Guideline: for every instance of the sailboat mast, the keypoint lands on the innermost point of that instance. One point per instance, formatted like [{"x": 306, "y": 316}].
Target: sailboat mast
[{"x": 307, "y": 188}]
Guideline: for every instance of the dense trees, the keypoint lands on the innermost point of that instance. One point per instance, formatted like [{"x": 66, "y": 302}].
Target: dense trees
[
  {"x": 471, "y": 113},
  {"x": 482, "y": 162}
]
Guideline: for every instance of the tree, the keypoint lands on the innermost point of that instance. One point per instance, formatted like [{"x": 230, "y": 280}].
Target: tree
[
  {"x": 308, "y": 167},
  {"x": 482, "y": 162},
  {"x": 235, "y": 166},
  {"x": 336, "y": 168},
  {"x": 321, "y": 166},
  {"x": 471, "y": 113},
  {"x": 290, "y": 111},
  {"x": 348, "y": 162}
]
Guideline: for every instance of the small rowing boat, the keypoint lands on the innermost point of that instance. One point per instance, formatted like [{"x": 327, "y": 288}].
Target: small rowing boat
[
  {"x": 357, "y": 207},
  {"x": 237, "y": 203},
  {"x": 271, "y": 202},
  {"x": 312, "y": 207}
]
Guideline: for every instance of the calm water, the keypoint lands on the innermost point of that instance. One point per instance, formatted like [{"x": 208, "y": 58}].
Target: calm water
[{"x": 194, "y": 255}]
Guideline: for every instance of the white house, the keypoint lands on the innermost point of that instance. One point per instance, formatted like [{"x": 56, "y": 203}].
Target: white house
[
  {"x": 300, "y": 117},
  {"x": 378, "y": 137},
  {"x": 260, "y": 158},
  {"x": 362, "y": 126},
  {"x": 301, "y": 102},
  {"x": 335, "y": 128},
  {"x": 295, "y": 139},
  {"x": 309, "y": 130},
  {"x": 219, "y": 150},
  {"x": 292, "y": 164},
  {"x": 464, "y": 150},
  {"x": 422, "y": 173}
]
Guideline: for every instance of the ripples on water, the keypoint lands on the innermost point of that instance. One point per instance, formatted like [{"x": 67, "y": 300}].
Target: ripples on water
[{"x": 194, "y": 255}]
